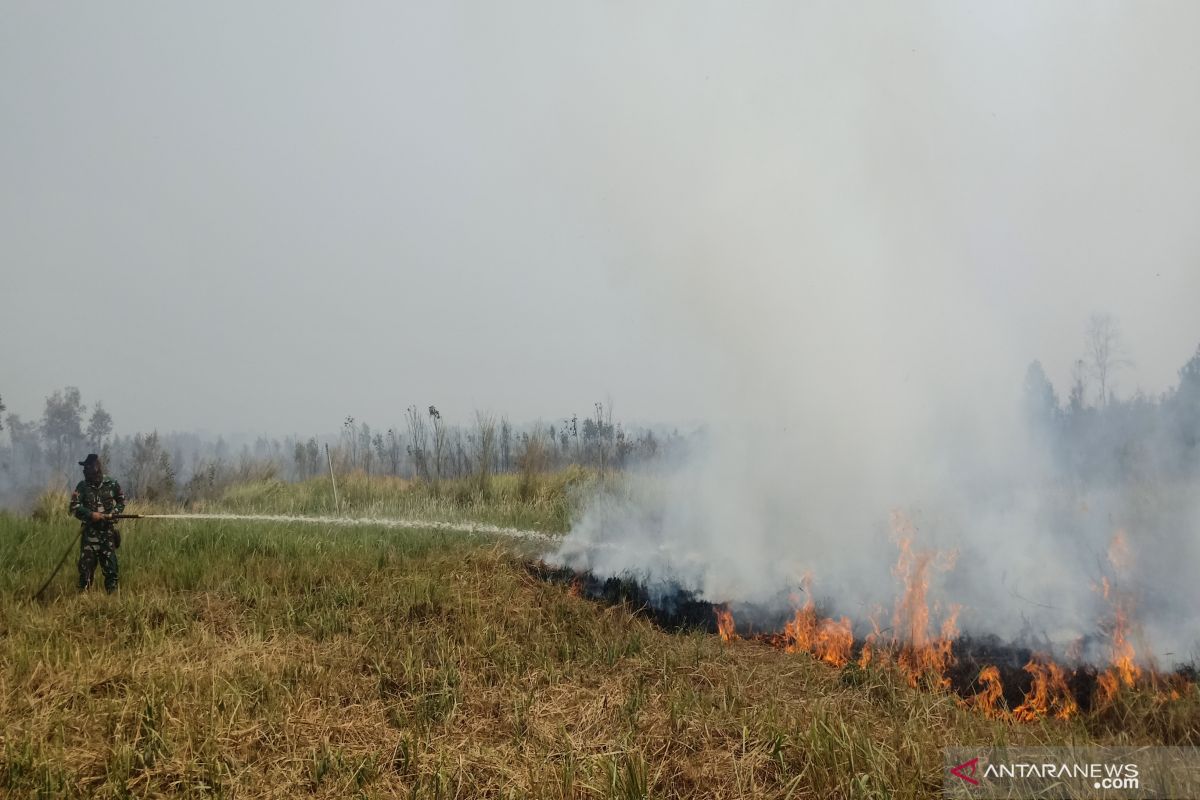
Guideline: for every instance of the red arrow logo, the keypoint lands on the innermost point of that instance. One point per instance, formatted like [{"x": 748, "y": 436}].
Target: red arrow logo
[{"x": 966, "y": 771}]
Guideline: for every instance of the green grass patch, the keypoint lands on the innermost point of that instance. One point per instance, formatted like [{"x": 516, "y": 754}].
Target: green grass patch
[{"x": 542, "y": 502}]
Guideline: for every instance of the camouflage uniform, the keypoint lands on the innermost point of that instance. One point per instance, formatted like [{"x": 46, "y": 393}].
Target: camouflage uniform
[{"x": 99, "y": 540}]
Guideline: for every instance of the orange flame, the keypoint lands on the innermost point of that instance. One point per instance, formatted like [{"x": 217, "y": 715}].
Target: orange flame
[
  {"x": 923, "y": 654},
  {"x": 826, "y": 639},
  {"x": 868, "y": 649},
  {"x": 987, "y": 700},
  {"x": 1124, "y": 671},
  {"x": 920, "y": 652},
  {"x": 725, "y": 625},
  {"x": 1049, "y": 696},
  {"x": 1119, "y": 554},
  {"x": 1123, "y": 666},
  {"x": 1109, "y": 686}
]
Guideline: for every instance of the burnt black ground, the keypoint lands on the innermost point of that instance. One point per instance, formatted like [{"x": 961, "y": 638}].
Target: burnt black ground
[{"x": 675, "y": 609}]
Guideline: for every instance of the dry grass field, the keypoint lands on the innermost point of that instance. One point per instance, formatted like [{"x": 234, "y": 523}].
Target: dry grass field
[{"x": 283, "y": 660}]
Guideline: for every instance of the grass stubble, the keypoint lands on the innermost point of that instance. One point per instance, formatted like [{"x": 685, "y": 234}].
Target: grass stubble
[{"x": 249, "y": 660}]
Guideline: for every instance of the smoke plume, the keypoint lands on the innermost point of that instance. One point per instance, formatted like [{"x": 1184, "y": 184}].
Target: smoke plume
[{"x": 872, "y": 235}]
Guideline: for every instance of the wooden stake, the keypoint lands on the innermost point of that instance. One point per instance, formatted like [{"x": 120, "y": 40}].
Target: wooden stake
[{"x": 337, "y": 507}]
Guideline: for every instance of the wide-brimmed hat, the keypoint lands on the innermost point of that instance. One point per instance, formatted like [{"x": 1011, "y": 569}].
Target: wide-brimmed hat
[{"x": 91, "y": 459}]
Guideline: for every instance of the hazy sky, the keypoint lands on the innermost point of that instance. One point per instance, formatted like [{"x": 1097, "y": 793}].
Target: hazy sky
[{"x": 266, "y": 216}]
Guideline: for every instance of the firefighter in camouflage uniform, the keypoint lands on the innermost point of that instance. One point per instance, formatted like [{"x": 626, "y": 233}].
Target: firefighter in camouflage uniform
[{"x": 96, "y": 497}]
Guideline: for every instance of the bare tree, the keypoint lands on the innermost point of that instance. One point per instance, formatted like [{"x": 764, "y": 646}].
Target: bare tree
[
  {"x": 24, "y": 437},
  {"x": 350, "y": 437},
  {"x": 440, "y": 440},
  {"x": 312, "y": 451},
  {"x": 533, "y": 459},
  {"x": 394, "y": 450},
  {"x": 381, "y": 451},
  {"x": 150, "y": 472},
  {"x": 364, "y": 446},
  {"x": 1040, "y": 401},
  {"x": 459, "y": 460},
  {"x": 604, "y": 430},
  {"x": 623, "y": 447},
  {"x": 100, "y": 426},
  {"x": 1104, "y": 352},
  {"x": 1189, "y": 377},
  {"x": 300, "y": 455},
  {"x": 506, "y": 441},
  {"x": 1077, "y": 398},
  {"x": 418, "y": 436},
  {"x": 62, "y": 424},
  {"x": 485, "y": 452},
  {"x": 573, "y": 427}
]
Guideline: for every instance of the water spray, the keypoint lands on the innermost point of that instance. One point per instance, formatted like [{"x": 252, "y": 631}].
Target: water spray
[{"x": 383, "y": 522}]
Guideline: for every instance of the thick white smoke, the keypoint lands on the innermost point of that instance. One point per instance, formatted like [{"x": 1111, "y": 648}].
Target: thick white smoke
[{"x": 872, "y": 234}]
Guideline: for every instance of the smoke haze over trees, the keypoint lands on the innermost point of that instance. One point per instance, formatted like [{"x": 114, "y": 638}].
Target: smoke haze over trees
[
  {"x": 179, "y": 467},
  {"x": 1093, "y": 435},
  {"x": 1028, "y": 511}
]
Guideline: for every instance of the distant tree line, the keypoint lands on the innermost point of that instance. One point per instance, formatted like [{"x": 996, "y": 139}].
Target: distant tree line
[
  {"x": 1097, "y": 437},
  {"x": 425, "y": 446},
  {"x": 1094, "y": 435},
  {"x": 44, "y": 452}
]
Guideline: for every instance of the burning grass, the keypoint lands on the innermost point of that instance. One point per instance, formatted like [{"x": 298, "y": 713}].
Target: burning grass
[
  {"x": 998, "y": 680},
  {"x": 281, "y": 660},
  {"x": 941, "y": 661}
]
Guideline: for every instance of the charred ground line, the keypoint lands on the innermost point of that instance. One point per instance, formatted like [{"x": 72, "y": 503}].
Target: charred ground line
[{"x": 686, "y": 612}]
